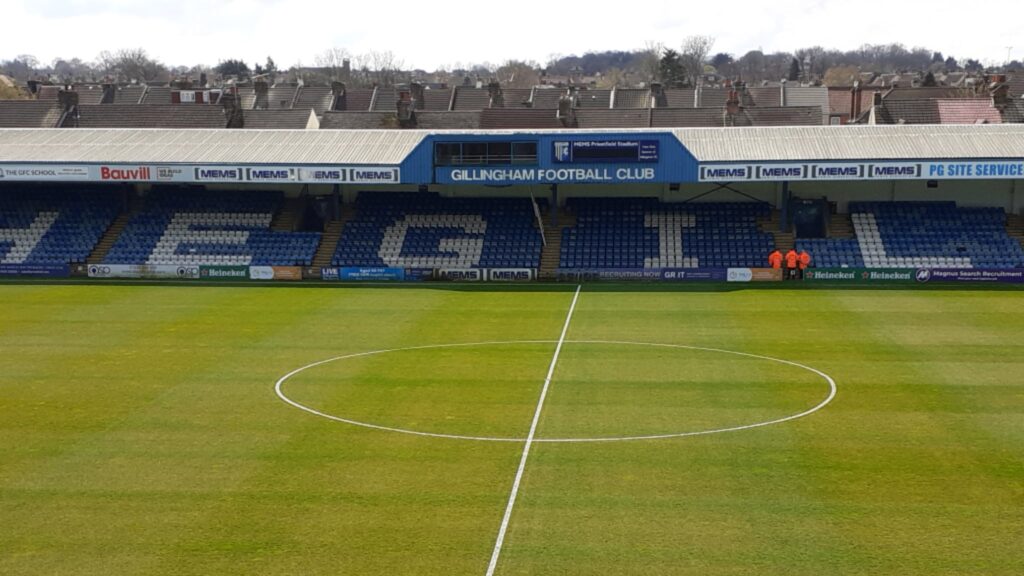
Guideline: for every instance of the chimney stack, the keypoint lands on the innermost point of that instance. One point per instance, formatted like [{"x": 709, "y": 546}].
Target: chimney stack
[
  {"x": 418, "y": 96},
  {"x": 1000, "y": 95},
  {"x": 855, "y": 101},
  {"x": 262, "y": 95},
  {"x": 566, "y": 112},
  {"x": 232, "y": 111},
  {"x": 404, "y": 106},
  {"x": 67, "y": 98},
  {"x": 658, "y": 95},
  {"x": 732, "y": 105},
  {"x": 340, "y": 98},
  {"x": 109, "y": 94},
  {"x": 497, "y": 96}
]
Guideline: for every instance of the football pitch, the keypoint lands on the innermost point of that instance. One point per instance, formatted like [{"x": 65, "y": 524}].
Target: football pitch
[{"x": 399, "y": 430}]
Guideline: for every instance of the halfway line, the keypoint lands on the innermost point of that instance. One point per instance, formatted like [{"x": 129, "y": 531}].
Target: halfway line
[{"x": 529, "y": 440}]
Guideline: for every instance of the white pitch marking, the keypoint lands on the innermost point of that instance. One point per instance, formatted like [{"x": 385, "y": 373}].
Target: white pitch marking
[
  {"x": 819, "y": 406},
  {"x": 529, "y": 439},
  {"x": 281, "y": 381}
]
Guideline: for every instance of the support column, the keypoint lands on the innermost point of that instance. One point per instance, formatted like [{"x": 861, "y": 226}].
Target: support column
[
  {"x": 784, "y": 208},
  {"x": 554, "y": 204}
]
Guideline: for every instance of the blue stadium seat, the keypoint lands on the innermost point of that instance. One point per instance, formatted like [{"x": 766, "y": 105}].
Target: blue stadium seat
[
  {"x": 421, "y": 230},
  {"x": 645, "y": 233},
  {"x": 920, "y": 235},
  {"x": 53, "y": 226},
  {"x": 212, "y": 228}
]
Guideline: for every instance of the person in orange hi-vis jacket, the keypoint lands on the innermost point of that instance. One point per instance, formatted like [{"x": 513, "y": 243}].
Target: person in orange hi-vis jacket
[
  {"x": 792, "y": 260},
  {"x": 805, "y": 261},
  {"x": 775, "y": 259}
]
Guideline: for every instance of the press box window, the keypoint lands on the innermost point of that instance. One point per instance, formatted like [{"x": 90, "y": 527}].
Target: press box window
[{"x": 484, "y": 153}]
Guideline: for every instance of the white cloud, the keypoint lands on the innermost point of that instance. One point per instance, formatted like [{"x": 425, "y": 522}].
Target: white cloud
[{"x": 198, "y": 31}]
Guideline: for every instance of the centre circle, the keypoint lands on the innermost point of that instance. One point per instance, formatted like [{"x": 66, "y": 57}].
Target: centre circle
[{"x": 594, "y": 383}]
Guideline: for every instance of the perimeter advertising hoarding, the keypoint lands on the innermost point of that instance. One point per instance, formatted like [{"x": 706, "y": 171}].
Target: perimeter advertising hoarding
[
  {"x": 223, "y": 272},
  {"x": 290, "y": 273},
  {"x": 462, "y": 274},
  {"x": 510, "y": 275},
  {"x": 39, "y": 270},
  {"x": 669, "y": 274},
  {"x": 754, "y": 275},
  {"x": 371, "y": 274},
  {"x": 1007, "y": 276},
  {"x": 860, "y": 275},
  {"x": 147, "y": 271}
]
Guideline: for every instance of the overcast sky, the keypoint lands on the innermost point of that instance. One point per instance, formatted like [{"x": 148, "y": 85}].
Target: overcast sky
[{"x": 188, "y": 32}]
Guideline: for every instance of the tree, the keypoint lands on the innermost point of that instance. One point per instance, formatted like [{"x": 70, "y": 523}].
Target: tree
[
  {"x": 612, "y": 78},
  {"x": 671, "y": 70},
  {"x": 130, "y": 64},
  {"x": 929, "y": 79},
  {"x": 333, "y": 62},
  {"x": 649, "y": 60},
  {"x": 22, "y": 67},
  {"x": 952, "y": 65},
  {"x": 232, "y": 67},
  {"x": 840, "y": 76},
  {"x": 518, "y": 74},
  {"x": 752, "y": 66},
  {"x": 74, "y": 70},
  {"x": 695, "y": 52},
  {"x": 973, "y": 65},
  {"x": 794, "y": 70},
  {"x": 937, "y": 58}
]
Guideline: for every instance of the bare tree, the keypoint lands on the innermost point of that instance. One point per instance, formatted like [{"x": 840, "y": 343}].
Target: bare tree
[
  {"x": 385, "y": 68},
  {"x": 332, "y": 61},
  {"x": 73, "y": 70},
  {"x": 130, "y": 64},
  {"x": 518, "y": 74},
  {"x": 694, "y": 55},
  {"x": 649, "y": 60}
]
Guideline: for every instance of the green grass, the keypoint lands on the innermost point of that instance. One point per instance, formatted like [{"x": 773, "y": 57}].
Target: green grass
[{"x": 140, "y": 433}]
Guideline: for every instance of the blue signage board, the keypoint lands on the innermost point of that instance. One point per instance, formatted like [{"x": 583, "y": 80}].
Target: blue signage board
[
  {"x": 43, "y": 270},
  {"x": 372, "y": 274},
  {"x": 605, "y": 151}
]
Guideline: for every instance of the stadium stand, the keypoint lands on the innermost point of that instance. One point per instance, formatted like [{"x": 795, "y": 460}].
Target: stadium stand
[
  {"x": 52, "y": 226},
  {"x": 920, "y": 235},
  {"x": 646, "y": 233},
  {"x": 204, "y": 227},
  {"x": 421, "y": 230}
]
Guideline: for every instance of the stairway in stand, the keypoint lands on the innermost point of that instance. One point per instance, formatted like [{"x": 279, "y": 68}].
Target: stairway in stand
[
  {"x": 331, "y": 236},
  {"x": 551, "y": 255},
  {"x": 840, "y": 226},
  {"x": 110, "y": 236},
  {"x": 287, "y": 218},
  {"x": 1015, "y": 227},
  {"x": 783, "y": 240}
]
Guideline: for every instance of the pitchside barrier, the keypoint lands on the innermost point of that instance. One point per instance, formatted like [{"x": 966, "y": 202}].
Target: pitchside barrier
[
  {"x": 421, "y": 274},
  {"x": 913, "y": 275},
  {"x": 36, "y": 270},
  {"x": 295, "y": 273},
  {"x": 670, "y": 274}
]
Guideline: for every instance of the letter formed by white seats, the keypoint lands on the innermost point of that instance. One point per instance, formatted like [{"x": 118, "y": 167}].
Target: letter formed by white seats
[
  {"x": 26, "y": 239},
  {"x": 180, "y": 231},
  {"x": 670, "y": 227},
  {"x": 469, "y": 249}
]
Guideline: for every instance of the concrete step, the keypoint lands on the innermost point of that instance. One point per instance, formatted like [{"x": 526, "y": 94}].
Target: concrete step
[
  {"x": 109, "y": 238},
  {"x": 287, "y": 218}
]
